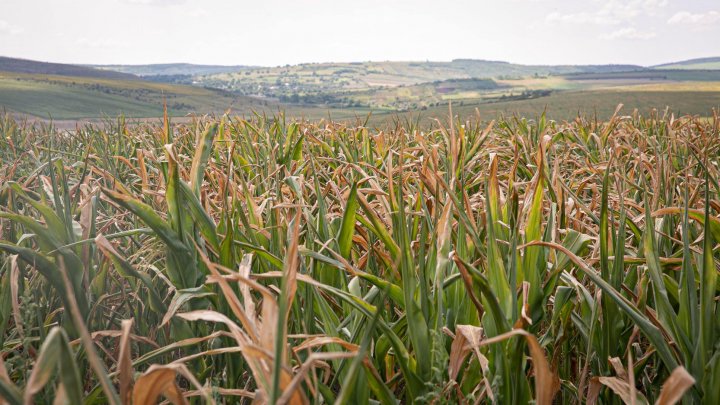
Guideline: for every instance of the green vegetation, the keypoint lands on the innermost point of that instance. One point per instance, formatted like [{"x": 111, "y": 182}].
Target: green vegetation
[
  {"x": 418, "y": 96},
  {"x": 336, "y": 83},
  {"x": 415, "y": 86},
  {"x": 279, "y": 261},
  {"x": 58, "y": 69},
  {"x": 651, "y": 75},
  {"x": 680, "y": 98},
  {"x": 170, "y": 69},
  {"x": 67, "y": 98},
  {"x": 71, "y": 97},
  {"x": 694, "y": 64},
  {"x": 348, "y": 90}
]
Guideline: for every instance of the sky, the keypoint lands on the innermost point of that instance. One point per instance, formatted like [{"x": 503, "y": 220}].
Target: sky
[{"x": 279, "y": 32}]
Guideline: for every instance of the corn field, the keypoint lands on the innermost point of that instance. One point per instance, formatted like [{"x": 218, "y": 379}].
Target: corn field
[{"x": 277, "y": 261}]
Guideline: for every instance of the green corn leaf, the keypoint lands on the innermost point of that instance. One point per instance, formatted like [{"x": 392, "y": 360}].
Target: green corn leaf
[
  {"x": 665, "y": 311},
  {"x": 148, "y": 215},
  {"x": 534, "y": 261},
  {"x": 497, "y": 278},
  {"x": 203, "y": 148},
  {"x": 126, "y": 270},
  {"x": 55, "y": 354},
  {"x": 48, "y": 269},
  {"x": 643, "y": 323},
  {"x": 182, "y": 271},
  {"x": 708, "y": 286},
  {"x": 200, "y": 216},
  {"x": 347, "y": 227}
]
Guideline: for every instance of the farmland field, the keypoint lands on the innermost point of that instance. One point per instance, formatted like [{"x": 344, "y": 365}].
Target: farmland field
[
  {"x": 701, "y": 63},
  {"x": 73, "y": 97},
  {"x": 274, "y": 260},
  {"x": 344, "y": 91},
  {"x": 696, "y": 98}
]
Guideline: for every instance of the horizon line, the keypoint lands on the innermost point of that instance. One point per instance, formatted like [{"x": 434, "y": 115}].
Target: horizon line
[{"x": 360, "y": 62}]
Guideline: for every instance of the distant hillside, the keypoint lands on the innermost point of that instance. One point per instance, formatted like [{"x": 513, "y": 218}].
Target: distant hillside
[
  {"x": 171, "y": 69},
  {"x": 651, "y": 74},
  {"x": 422, "y": 71},
  {"x": 488, "y": 69},
  {"x": 693, "y": 64},
  {"x": 73, "y": 97},
  {"x": 314, "y": 89},
  {"x": 680, "y": 98},
  {"x": 333, "y": 82},
  {"x": 15, "y": 65}
]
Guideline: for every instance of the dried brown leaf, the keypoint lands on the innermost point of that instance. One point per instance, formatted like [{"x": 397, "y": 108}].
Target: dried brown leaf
[
  {"x": 675, "y": 386},
  {"x": 547, "y": 383},
  {"x": 14, "y": 290},
  {"x": 125, "y": 368},
  {"x": 157, "y": 380}
]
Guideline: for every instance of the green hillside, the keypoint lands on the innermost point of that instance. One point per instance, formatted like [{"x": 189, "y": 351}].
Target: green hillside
[
  {"x": 651, "y": 75},
  {"x": 67, "y": 97},
  {"x": 350, "y": 90},
  {"x": 691, "y": 64},
  {"x": 62, "y": 97},
  {"x": 682, "y": 98},
  {"x": 317, "y": 78},
  {"x": 170, "y": 69},
  {"x": 16, "y": 65}
]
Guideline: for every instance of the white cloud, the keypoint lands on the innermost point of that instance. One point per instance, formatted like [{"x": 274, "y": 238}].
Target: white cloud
[
  {"x": 198, "y": 12},
  {"x": 8, "y": 29},
  {"x": 685, "y": 17},
  {"x": 101, "y": 43},
  {"x": 629, "y": 33},
  {"x": 655, "y": 3},
  {"x": 581, "y": 18},
  {"x": 155, "y": 2},
  {"x": 612, "y": 12}
]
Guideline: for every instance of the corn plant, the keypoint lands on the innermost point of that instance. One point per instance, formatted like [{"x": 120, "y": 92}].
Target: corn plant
[{"x": 273, "y": 260}]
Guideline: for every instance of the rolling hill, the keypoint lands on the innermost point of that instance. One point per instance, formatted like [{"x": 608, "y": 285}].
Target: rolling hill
[
  {"x": 66, "y": 92},
  {"x": 15, "y": 65},
  {"x": 693, "y": 64},
  {"x": 346, "y": 90},
  {"x": 696, "y": 98},
  {"x": 316, "y": 78},
  {"x": 74, "y": 97},
  {"x": 170, "y": 69}
]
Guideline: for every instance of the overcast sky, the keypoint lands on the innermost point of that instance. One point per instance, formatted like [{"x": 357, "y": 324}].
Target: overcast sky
[{"x": 277, "y": 32}]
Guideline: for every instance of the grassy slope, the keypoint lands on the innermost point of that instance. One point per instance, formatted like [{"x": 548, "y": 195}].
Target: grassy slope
[
  {"x": 685, "y": 98},
  {"x": 429, "y": 94},
  {"x": 35, "y": 67},
  {"x": 708, "y": 66},
  {"x": 652, "y": 75},
  {"x": 170, "y": 69},
  {"x": 409, "y": 86},
  {"x": 339, "y": 76},
  {"x": 417, "y": 95},
  {"x": 65, "y": 97},
  {"x": 48, "y": 100},
  {"x": 702, "y": 63},
  {"x": 71, "y": 98}
]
